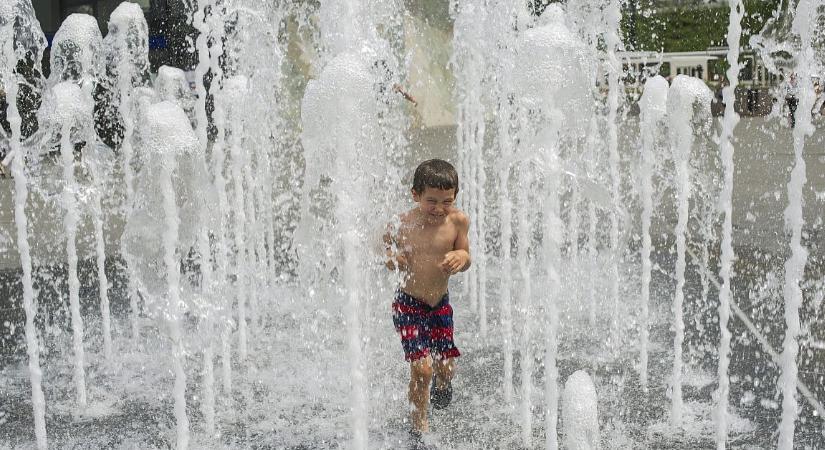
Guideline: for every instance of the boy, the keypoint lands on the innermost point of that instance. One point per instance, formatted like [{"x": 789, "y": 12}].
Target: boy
[{"x": 429, "y": 245}]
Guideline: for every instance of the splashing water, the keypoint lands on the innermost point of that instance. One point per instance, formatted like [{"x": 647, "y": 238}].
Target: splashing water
[
  {"x": 804, "y": 21},
  {"x": 688, "y": 106},
  {"x": 21, "y": 37},
  {"x": 127, "y": 55},
  {"x": 75, "y": 58},
  {"x": 726, "y": 149},
  {"x": 653, "y": 106},
  {"x": 72, "y": 108},
  {"x": 244, "y": 219}
]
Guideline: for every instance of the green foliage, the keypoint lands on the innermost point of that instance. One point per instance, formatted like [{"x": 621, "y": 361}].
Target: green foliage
[{"x": 685, "y": 28}]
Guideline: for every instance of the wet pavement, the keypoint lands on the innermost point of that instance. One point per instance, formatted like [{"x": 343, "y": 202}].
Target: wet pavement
[{"x": 294, "y": 393}]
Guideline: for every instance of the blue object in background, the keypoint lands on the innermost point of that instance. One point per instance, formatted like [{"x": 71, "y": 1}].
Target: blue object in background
[{"x": 157, "y": 42}]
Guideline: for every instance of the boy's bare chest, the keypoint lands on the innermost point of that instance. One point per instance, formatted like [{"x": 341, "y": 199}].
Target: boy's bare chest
[{"x": 428, "y": 240}]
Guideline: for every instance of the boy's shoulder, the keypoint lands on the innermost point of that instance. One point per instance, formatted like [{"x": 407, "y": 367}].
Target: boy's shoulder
[
  {"x": 407, "y": 216},
  {"x": 403, "y": 220},
  {"x": 458, "y": 217}
]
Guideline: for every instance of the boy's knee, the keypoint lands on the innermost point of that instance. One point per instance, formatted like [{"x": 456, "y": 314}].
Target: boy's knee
[
  {"x": 444, "y": 370},
  {"x": 422, "y": 369},
  {"x": 444, "y": 363},
  {"x": 447, "y": 364}
]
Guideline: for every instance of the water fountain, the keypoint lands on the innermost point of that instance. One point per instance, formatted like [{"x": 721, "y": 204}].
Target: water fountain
[
  {"x": 549, "y": 49},
  {"x": 22, "y": 39},
  {"x": 580, "y": 412},
  {"x": 76, "y": 109},
  {"x": 171, "y": 169},
  {"x": 653, "y": 110},
  {"x": 75, "y": 64},
  {"x": 688, "y": 108},
  {"x": 726, "y": 150},
  {"x": 469, "y": 52},
  {"x": 238, "y": 220},
  {"x": 127, "y": 55}
]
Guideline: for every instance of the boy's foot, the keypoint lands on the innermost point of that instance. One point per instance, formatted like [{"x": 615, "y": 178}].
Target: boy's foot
[
  {"x": 440, "y": 397},
  {"x": 417, "y": 441}
]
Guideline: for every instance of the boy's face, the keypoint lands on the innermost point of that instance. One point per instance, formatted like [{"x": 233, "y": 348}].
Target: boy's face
[{"x": 435, "y": 203}]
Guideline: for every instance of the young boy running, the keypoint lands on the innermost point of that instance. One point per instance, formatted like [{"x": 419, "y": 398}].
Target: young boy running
[{"x": 428, "y": 246}]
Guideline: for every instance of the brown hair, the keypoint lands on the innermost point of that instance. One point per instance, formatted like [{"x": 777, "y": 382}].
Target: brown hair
[{"x": 435, "y": 173}]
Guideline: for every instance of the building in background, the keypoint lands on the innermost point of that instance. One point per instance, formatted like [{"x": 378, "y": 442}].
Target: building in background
[{"x": 756, "y": 85}]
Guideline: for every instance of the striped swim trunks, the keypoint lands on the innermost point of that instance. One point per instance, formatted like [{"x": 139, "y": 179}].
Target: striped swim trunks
[{"x": 424, "y": 329}]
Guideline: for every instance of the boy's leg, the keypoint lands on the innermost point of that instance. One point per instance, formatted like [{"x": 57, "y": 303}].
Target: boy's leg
[
  {"x": 421, "y": 372},
  {"x": 440, "y": 324},
  {"x": 444, "y": 371}
]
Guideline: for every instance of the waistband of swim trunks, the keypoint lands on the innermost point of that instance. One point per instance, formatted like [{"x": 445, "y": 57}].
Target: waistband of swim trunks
[{"x": 409, "y": 299}]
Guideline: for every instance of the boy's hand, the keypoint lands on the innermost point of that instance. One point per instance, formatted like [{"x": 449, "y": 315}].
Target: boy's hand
[
  {"x": 396, "y": 261},
  {"x": 454, "y": 261},
  {"x": 393, "y": 259}
]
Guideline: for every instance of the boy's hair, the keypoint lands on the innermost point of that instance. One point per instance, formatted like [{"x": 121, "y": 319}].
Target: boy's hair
[{"x": 435, "y": 173}]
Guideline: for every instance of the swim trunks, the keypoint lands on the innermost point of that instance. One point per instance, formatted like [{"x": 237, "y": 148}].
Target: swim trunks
[{"x": 424, "y": 329}]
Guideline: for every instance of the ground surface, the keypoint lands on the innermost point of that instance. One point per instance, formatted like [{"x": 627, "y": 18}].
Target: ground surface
[{"x": 294, "y": 391}]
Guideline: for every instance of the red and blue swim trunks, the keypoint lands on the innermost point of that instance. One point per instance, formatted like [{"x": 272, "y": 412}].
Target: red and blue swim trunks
[{"x": 424, "y": 329}]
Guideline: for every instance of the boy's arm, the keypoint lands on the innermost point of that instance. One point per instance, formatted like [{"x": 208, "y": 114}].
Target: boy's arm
[
  {"x": 392, "y": 259},
  {"x": 459, "y": 259},
  {"x": 397, "y": 88}
]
